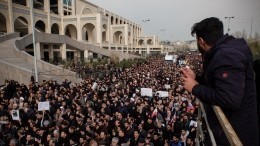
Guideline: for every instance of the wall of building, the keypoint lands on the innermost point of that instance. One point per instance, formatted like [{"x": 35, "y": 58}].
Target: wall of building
[{"x": 103, "y": 33}]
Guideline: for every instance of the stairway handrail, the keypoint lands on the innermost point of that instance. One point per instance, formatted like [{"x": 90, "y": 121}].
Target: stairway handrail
[
  {"x": 225, "y": 124},
  {"x": 227, "y": 127}
]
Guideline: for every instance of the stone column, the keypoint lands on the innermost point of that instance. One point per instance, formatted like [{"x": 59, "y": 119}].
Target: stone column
[
  {"x": 60, "y": 7},
  {"x": 148, "y": 50},
  {"x": 162, "y": 48},
  {"x": 63, "y": 52},
  {"x": 38, "y": 50},
  {"x": 28, "y": 3},
  {"x": 47, "y": 10},
  {"x": 90, "y": 54},
  {"x": 77, "y": 55},
  {"x": 10, "y": 24},
  {"x": 73, "y": 4},
  {"x": 98, "y": 28},
  {"x": 79, "y": 29},
  {"x": 51, "y": 52},
  {"x": 86, "y": 55},
  {"x": 126, "y": 34},
  {"x": 42, "y": 51},
  {"x": 46, "y": 5},
  {"x": 108, "y": 32}
]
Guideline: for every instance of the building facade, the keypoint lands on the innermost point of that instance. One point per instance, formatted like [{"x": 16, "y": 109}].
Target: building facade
[{"x": 78, "y": 19}]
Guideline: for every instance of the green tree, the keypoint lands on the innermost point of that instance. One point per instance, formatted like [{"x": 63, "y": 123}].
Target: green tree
[{"x": 255, "y": 48}]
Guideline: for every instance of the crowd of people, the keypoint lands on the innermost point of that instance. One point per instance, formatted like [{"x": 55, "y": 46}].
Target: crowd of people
[{"x": 108, "y": 111}]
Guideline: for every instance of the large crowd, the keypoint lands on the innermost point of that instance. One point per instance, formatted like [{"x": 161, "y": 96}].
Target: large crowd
[{"x": 106, "y": 111}]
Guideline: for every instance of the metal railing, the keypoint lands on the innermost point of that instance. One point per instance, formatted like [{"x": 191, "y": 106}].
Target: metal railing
[{"x": 226, "y": 126}]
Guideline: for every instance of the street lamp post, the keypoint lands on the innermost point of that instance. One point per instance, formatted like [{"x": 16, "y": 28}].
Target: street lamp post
[
  {"x": 147, "y": 20},
  {"x": 229, "y": 22},
  {"x": 34, "y": 45},
  {"x": 163, "y": 30}
]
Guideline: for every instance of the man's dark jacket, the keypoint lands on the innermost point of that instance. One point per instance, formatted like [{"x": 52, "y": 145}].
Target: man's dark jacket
[{"x": 228, "y": 82}]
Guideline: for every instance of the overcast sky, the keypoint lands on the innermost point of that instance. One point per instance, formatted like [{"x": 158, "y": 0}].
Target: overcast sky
[{"x": 178, "y": 16}]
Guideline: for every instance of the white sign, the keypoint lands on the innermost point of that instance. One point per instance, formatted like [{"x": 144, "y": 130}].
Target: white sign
[
  {"x": 44, "y": 106},
  {"x": 15, "y": 115},
  {"x": 94, "y": 86},
  {"x": 147, "y": 92},
  {"x": 168, "y": 58},
  {"x": 193, "y": 123},
  {"x": 163, "y": 93},
  {"x": 167, "y": 86}
]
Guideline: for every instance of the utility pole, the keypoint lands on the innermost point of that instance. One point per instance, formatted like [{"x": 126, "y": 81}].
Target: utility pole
[
  {"x": 229, "y": 22},
  {"x": 34, "y": 44},
  {"x": 147, "y": 20}
]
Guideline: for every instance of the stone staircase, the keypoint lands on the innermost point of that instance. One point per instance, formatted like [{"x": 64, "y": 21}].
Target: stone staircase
[
  {"x": 14, "y": 67},
  {"x": 19, "y": 65}
]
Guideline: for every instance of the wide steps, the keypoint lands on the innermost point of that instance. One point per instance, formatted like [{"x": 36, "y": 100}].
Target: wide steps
[{"x": 8, "y": 55}]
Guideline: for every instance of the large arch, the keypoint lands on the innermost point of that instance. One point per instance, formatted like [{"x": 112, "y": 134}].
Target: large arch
[
  {"x": 55, "y": 29},
  {"x": 104, "y": 33},
  {"x": 118, "y": 37},
  {"x": 40, "y": 26},
  {"x": 86, "y": 11},
  {"x": 21, "y": 25},
  {"x": 71, "y": 31},
  {"x": 141, "y": 42},
  {"x": 149, "y": 42},
  {"x": 89, "y": 32},
  {"x": 3, "y": 28}
]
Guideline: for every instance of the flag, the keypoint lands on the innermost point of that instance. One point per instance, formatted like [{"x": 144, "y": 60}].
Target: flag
[{"x": 155, "y": 111}]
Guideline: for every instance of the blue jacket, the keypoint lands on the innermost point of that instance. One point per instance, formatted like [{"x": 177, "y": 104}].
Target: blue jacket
[
  {"x": 228, "y": 82},
  {"x": 171, "y": 143}
]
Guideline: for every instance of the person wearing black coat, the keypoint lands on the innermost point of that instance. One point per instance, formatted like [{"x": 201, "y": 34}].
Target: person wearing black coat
[{"x": 227, "y": 81}]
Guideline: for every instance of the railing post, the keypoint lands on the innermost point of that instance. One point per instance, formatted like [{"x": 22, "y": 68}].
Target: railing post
[{"x": 226, "y": 126}]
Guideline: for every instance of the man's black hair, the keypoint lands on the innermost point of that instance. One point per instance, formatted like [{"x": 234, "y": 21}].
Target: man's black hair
[{"x": 209, "y": 29}]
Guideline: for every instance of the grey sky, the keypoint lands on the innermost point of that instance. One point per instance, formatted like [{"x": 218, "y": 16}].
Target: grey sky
[{"x": 178, "y": 16}]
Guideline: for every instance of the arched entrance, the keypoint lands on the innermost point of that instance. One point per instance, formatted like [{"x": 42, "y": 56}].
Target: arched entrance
[
  {"x": 141, "y": 42},
  {"x": 3, "y": 28},
  {"x": 89, "y": 33},
  {"x": 40, "y": 26},
  {"x": 118, "y": 37},
  {"x": 104, "y": 30},
  {"x": 55, "y": 28},
  {"x": 21, "y": 25},
  {"x": 149, "y": 42},
  {"x": 71, "y": 31}
]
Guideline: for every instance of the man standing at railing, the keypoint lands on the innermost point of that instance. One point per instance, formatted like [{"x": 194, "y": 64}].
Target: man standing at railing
[{"x": 227, "y": 81}]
